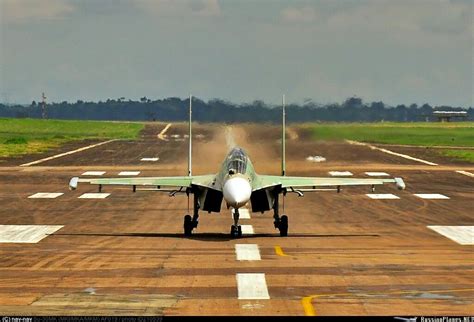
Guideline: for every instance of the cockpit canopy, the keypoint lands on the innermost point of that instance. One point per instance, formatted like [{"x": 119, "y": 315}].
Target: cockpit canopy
[{"x": 236, "y": 161}]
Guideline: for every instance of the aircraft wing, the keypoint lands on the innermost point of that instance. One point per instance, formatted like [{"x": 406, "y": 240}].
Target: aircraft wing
[
  {"x": 318, "y": 182},
  {"x": 184, "y": 181}
]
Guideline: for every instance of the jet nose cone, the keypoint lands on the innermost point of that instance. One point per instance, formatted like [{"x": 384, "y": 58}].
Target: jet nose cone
[{"x": 237, "y": 192}]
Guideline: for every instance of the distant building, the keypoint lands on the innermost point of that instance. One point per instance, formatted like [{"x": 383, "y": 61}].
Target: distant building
[{"x": 446, "y": 116}]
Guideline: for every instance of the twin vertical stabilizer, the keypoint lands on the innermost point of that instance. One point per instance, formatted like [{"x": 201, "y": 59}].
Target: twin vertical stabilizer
[
  {"x": 283, "y": 132},
  {"x": 190, "y": 172}
]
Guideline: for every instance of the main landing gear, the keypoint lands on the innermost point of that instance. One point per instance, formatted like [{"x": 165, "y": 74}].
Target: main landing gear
[
  {"x": 280, "y": 222},
  {"x": 191, "y": 222},
  {"x": 236, "y": 229}
]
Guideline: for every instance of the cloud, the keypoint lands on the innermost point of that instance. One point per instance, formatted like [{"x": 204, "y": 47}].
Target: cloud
[
  {"x": 26, "y": 10},
  {"x": 298, "y": 15},
  {"x": 204, "y": 8}
]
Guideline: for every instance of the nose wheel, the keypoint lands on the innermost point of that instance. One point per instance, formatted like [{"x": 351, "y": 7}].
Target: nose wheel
[{"x": 235, "y": 231}]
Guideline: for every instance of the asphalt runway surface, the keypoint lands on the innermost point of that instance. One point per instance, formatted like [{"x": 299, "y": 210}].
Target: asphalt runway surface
[{"x": 125, "y": 254}]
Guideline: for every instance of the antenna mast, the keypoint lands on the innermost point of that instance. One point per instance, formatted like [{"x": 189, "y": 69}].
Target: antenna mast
[{"x": 43, "y": 106}]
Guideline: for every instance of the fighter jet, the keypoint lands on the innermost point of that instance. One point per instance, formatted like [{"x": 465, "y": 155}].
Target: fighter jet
[{"x": 237, "y": 183}]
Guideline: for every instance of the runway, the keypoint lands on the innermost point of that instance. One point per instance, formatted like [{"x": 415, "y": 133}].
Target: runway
[{"x": 346, "y": 254}]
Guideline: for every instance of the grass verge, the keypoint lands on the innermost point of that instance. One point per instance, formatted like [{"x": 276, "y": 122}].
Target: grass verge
[{"x": 25, "y": 136}]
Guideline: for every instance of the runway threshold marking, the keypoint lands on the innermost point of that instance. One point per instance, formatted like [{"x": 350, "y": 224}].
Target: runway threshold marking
[
  {"x": 340, "y": 173},
  {"x": 279, "y": 251},
  {"x": 129, "y": 173},
  {"x": 382, "y": 196},
  {"x": 26, "y": 233},
  {"x": 93, "y": 173},
  {"x": 161, "y": 135},
  {"x": 390, "y": 152},
  {"x": 46, "y": 195},
  {"x": 431, "y": 196},
  {"x": 100, "y": 195},
  {"x": 66, "y": 153},
  {"x": 466, "y": 173},
  {"x": 463, "y": 235},
  {"x": 377, "y": 174},
  {"x": 247, "y": 230},
  {"x": 309, "y": 309},
  {"x": 252, "y": 286},
  {"x": 247, "y": 252},
  {"x": 243, "y": 213}
]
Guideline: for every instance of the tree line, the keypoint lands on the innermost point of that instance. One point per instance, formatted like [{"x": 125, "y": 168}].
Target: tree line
[{"x": 353, "y": 109}]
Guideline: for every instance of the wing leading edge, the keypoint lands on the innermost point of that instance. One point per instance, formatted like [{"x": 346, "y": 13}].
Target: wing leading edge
[
  {"x": 184, "y": 181},
  {"x": 266, "y": 181}
]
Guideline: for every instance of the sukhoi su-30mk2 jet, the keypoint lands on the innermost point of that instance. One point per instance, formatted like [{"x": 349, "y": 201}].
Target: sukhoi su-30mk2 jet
[{"x": 237, "y": 184}]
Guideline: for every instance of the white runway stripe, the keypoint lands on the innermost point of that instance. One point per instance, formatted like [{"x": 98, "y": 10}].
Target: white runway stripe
[
  {"x": 243, "y": 213},
  {"x": 377, "y": 174},
  {"x": 93, "y": 173},
  {"x": 382, "y": 196},
  {"x": 391, "y": 152},
  {"x": 65, "y": 153},
  {"x": 463, "y": 235},
  {"x": 469, "y": 174},
  {"x": 26, "y": 233},
  {"x": 340, "y": 173},
  {"x": 252, "y": 286},
  {"x": 129, "y": 173},
  {"x": 247, "y": 252},
  {"x": 247, "y": 230},
  {"x": 150, "y": 159},
  {"x": 94, "y": 195},
  {"x": 431, "y": 196},
  {"x": 46, "y": 195}
]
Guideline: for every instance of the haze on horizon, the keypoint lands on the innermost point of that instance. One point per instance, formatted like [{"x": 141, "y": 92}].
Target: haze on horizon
[{"x": 395, "y": 51}]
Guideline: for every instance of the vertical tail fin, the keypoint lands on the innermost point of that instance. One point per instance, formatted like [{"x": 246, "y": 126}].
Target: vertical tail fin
[
  {"x": 283, "y": 132},
  {"x": 190, "y": 136}
]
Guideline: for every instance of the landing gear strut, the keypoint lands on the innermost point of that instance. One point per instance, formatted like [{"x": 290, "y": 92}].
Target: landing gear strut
[
  {"x": 236, "y": 229},
  {"x": 191, "y": 222},
  {"x": 280, "y": 222}
]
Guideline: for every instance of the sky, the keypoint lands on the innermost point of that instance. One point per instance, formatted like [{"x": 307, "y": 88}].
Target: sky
[{"x": 395, "y": 51}]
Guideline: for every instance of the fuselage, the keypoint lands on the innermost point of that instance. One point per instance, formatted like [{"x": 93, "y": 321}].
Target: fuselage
[{"x": 236, "y": 178}]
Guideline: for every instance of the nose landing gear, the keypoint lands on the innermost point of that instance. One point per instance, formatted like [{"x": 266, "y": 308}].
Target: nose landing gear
[{"x": 236, "y": 229}]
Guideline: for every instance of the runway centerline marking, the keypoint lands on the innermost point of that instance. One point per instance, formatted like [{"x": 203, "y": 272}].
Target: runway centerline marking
[
  {"x": 46, "y": 195},
  {"x": 252, "y": 286},
  {"x": 65, "y": 153},
  {"x": 377, "y": 174},
  {"x": 150, "y": 159},
  {"x": 247, "y": 252},
  {"x": 26, "y": 233},
  {"x": 382, "y": 196},
  {"x": 100, "y": 195},
  {"x": 309, "y": 309},
  {"x": 466, "y": 173},
  {"x": 161, "y": 135},
  {"x": 431, "y": 196},
  {"x": 129, "y": 173},
  {"x": 463, "y": 235},
  {"x": 279, "y": 251},
  {"x": 247, "y": 229},
  {"x": 243, "y": 213},
  {"x": 93, "y": 173},
  {"x": 340, "y": 173},
  {"x": 390, "y": 152}
]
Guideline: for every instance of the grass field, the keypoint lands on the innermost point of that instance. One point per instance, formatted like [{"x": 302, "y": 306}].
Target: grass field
[
  {"x": 23, "y": 136},
  {"x": 460, "y": 134}
]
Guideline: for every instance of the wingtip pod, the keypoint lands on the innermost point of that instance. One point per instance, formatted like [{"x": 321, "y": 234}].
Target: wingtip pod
[
  {"x": 400, "y": 183},
  {"x": 73, "y": 183}
]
